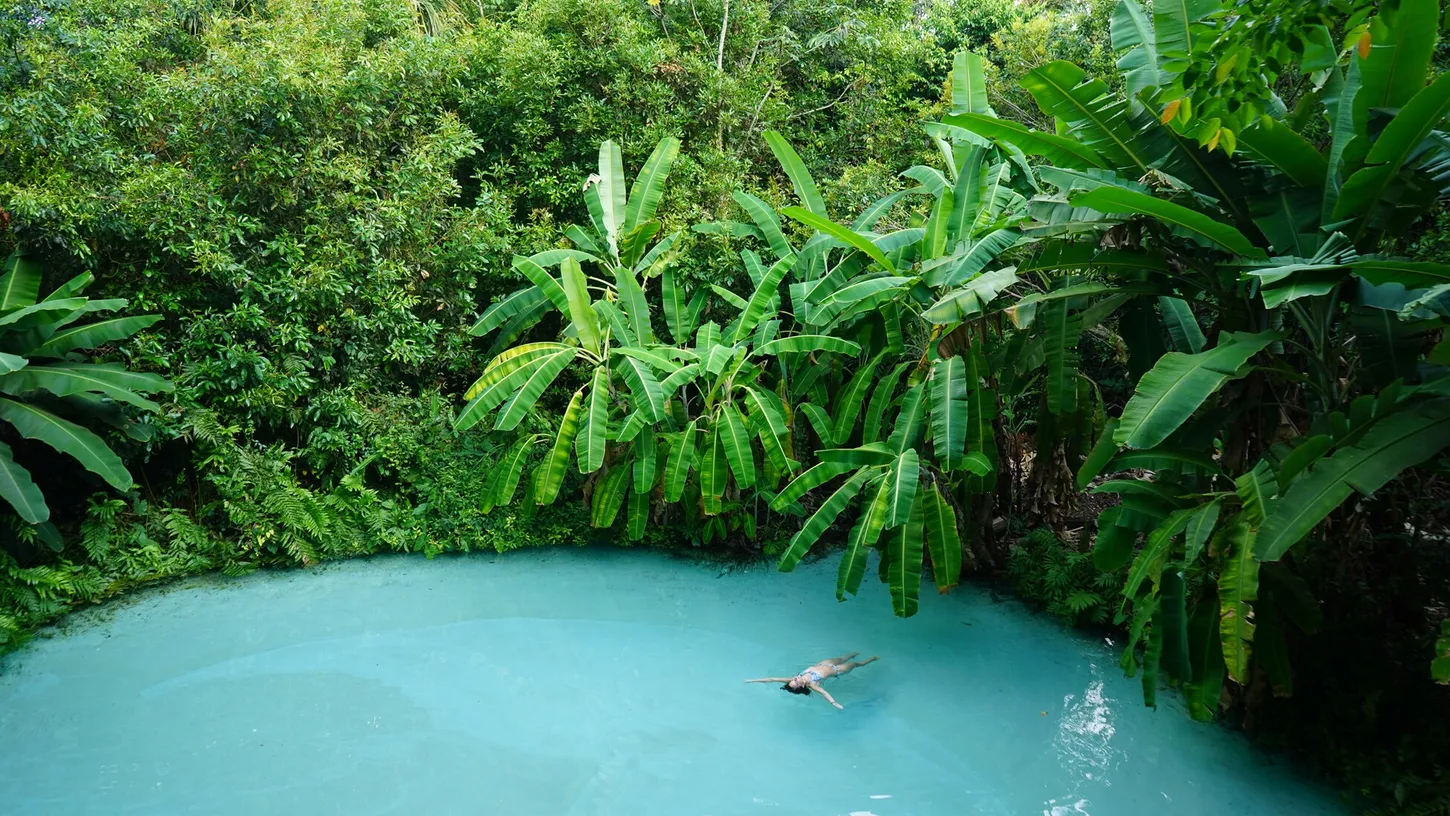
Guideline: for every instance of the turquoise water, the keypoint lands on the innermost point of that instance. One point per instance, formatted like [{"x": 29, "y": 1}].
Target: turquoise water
[{"x": 594, "y": 683}]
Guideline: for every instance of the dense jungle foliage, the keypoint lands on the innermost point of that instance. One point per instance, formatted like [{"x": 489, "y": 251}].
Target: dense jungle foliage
[{"x": 1139, "y": 309}]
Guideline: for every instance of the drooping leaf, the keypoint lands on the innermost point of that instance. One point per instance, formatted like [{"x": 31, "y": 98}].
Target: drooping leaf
[
  {"x": 681, "y": 460},
  {"x": 1059, "y": 150},
  {"x": 807, "y": 481},
  {"x": 1179, "y": 383},
  {"x": 822, "y": 519},
  {"x": 1200, "y": 526},
  {"x": 1238, "y": 588},
  {"x": 1400, "y": 139},
  {"x": 1096, "y": 118},
  {"x": 90, "y": 335},
  {"x": 803, "y": 343},
  {"x": 949, "y": 411},
  {"x": 1182, "y": 326},
  {"x": 509, "y": 307},
  {"x": 522, "y": 402},
  {"x": 1120, "y": 201},
  {"x": 736, "y": 441},
  {"x": 649, "y": 395},
  {"x": 589, "y": 442},
  {"x": 1390, "y": 446},
  {"x": 608, "y": 497},
  {"x": 844, "y": 234},
  {"x": 904, "y": 553},
  {"x": 942, "y": 539},
  {"x": 1113, "y": 546},
  {"x": 769, "y": 223},
  {"x": 33, "y": 422},
  {"x": 970, "y": 299},
  {"x": 1101, "y": 454},
  {"x": 512, "y": 466},
  {"x": 65, "y": 379},
  {"x": 581, "y": 311},
  {"x": 635, "y": 305},
  {"x": 714, "y": 470},
  {"x": 1175, "y": 626},
  {"x": 17, "y": 488},
  {"x": 863, "y": 536},
  {"x": 881, "y": 398},
  {"x": 1205, "y": 654},
  {"x": 1256, "y": 489},
  {"x": 911, "y": 420},
  {"x": 1061, "y": 332},
  {"x": 557, "y": 460},
  {"x": 903, "y": 486}
]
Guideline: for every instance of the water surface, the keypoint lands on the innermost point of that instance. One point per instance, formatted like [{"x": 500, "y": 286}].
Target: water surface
[{"x": 595, "y": 683}]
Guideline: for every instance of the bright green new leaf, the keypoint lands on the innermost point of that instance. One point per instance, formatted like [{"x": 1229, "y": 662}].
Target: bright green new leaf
[
  {"x": 589, "y": 442},
  {"x": 682, "y": 459},
  {"x": 532, "y": 388},
  {"x": 795, "y": 169},
  {"x": 557, "y": 460},
  {"x": 844, "y": 234},
  {"x": 649, "y": 185}
]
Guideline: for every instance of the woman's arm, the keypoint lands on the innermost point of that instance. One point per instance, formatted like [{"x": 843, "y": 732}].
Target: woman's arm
[
  {"x": 816, "y": 687},
  {"x": 771, "y": 680}
]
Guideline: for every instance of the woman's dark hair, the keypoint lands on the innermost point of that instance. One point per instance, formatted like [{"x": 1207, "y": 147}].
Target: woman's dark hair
[{"x": 793, "y": 690}]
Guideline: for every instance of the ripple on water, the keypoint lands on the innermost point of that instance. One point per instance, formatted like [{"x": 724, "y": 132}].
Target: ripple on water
[{"x": 594, "y": 683}]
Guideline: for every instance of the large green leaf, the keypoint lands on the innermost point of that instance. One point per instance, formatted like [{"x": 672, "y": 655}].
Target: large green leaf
[
  {"x": 682, "y": 459},
  {"x": 1061, "y": 333},
  {"x": 1121, "y": 201},
  {"x": 557, "y": 460},
  {"x": 512, "y": 466},
  {"x": 795, "y": 169},
  {"x": 1402, "y": 41},
  {"x": 969, "y": 84},
  {"x": 498, "y": 384},
  {"x": 761, "y": 298},
  {"x": 850, "y": 400},
  {"x": 770, "y": 423},
  {"x": 807, "y": 481},
  {"x": 1060, "y": 150},
  {"x": 881, "y": 399},
  {"x": 1342, "y": 133},
  {"x": 875, "y": 453},
  {"x": 766, "y": 219},
  {"x": 507, "y": 363},
  {"x": 589, "y": 442},
  {"x": 904, "y": 554},
  {"x": 608, "y": 497},
  {"x": 1200, "y": 526},
  {"x": 822, "y": 519},
  {"x": 20, "y": 284},
  {"x": 646, "y": 460},
  {"x": 1279, "y": 146},
  {"x": 714, "y": 470},
  {"x": 649, "y": 395},
  {"x": 1132, "y": 34},
  {"x": 1256, "y": 490},
  {"x": 1175, "y": 626},
  {"x": 511, "y": 306},
  {"x": 519, "y": 406},
  {"x": 66, "y": 437},
  {"x": 844, "y": 234},
  {"x": 1205, "y": 656},
  {"x": 581, "y": 309},
  {"x": 736, "y": 441},
  {"x": 649, "y": 185},
  {"x": 911, "y": 421},
  {"x": 969, "y": 256},
  {"x": 91, "y": 335},
  {"x": 635, "y": 305},
  {"x": 65, "y": 379},
  {"x": 1113, "y": 546},
  {"x": 1148, "y": 566},
  {"x": 862, "y": 538},
  {"x": 902, "y": 483},
  {"x": 1174, "y": 23},
  {"x": 610, "y": 186},
  {"x": 1440, "y": 664},
  {"x": 1402, "y": 137},
  {"x": 802, "y": 343},
  {"x": 1098, "y": 119},
  {"x": 942, "y": 539},
  {"x": 17, "y": 488},
  {"x": 1400, "y": 441},
  {"x": 1179, "y": 383},
  {"x": 1238, "y": 588},
  {"x": 1182, "y": 325},
  {"x": 949, "y": 412},
  {"x": 970, "y": 299},
  {"x": 546, "y": 283}
]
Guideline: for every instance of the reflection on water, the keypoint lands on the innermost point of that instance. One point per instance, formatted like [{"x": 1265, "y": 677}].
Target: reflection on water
[{"x": 1083, "y": 744}]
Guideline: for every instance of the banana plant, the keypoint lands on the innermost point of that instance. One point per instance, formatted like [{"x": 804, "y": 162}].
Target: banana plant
[
  {"x": 1273, "y": 242},
  {"x": 49, "y": 384},
  {"x": 697, "y": 423}
]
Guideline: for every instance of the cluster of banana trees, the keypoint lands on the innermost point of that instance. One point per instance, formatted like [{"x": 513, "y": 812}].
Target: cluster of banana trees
[{"x": 1279, "y": 362}]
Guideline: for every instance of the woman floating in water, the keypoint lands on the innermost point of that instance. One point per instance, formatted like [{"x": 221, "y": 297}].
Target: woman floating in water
[{"x": 810, "y": 679}]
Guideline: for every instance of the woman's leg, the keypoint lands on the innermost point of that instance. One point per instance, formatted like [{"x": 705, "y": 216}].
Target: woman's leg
[
  {"x": 836, "y": 661},
  {"x": 842, "y": 668}
]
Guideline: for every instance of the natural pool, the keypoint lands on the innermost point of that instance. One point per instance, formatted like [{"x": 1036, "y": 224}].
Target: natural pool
[{"x": 595, "y": 682}]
